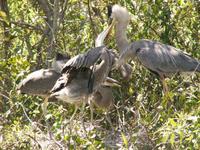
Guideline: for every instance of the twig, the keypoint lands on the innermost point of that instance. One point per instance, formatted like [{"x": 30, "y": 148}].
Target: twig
[
  {"x": 33, "y": 139},
  {"x": 91, "y": 21},
  {"x": 5, "y": 96},
  {"x": 62, "y": 13},
  {"x": 25, "y": 113},
  {"x": 46, "y": 8},
  {"x": 27, "y": 25},
  {"x": 149, "y": 26}
]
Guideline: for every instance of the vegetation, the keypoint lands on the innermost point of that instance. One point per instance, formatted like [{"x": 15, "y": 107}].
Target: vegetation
[{"x": 32, "y": 31}]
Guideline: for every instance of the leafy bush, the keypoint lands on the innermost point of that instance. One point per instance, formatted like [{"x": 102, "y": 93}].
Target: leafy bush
[{"x": 141, "y": 118}]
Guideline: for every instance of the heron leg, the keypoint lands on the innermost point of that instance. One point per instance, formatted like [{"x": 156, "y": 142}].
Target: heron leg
[
  {"x": 44, "y": 106},
  {"x": 109, "y": 120},
  {"x": 82, "y": 112},
  {"x": 166, "y": 92},
  {"x": 83, "y": 109},
  {"x": 74, "y": 113},
  {"x": 91, "y": 111},
  {"x": 44, "y": 109},
  {"x": 165, "y": 87}
]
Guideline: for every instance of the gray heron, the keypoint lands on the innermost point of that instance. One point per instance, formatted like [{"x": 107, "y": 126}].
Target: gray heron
[
  {"x": 81, "y": 76},
  {"x": 103, "y": 97},
  {"x": 40, "y": 82},
  {"x": 161, "y": 59}
]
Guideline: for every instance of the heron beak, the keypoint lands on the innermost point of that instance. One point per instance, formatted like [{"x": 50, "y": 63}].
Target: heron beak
[
  {"x": 103, "y": 35},
  {"x": 111, "y": 82},
  {"x": 111, "y": 23}
]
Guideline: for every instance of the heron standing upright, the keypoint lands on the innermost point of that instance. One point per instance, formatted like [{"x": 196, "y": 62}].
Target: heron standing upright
[{"x": 161, "y": 59}]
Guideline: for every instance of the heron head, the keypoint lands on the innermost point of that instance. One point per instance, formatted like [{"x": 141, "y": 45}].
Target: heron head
[
  {"x": 60, "y": 56},
  {"x": 59, "y": 61},
  {"x": 117, "y": 13}
]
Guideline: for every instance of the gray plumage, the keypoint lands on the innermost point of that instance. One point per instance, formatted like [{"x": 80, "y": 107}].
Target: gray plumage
[
  {"x": 59, "y": 61},
  {"x": 84, "y": 60},
  {"x": 161, "y": 59},
  {"x": 40, "y": 82},
  {"x": 80, "y": 72},
  {"x": 125, "y": 69},
  {"x": 103, "y": 97}
]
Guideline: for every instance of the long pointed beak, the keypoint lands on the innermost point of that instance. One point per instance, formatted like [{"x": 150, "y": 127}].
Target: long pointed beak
[
  {"x": 111, "y": 82},
  {"x": 102, "y": 36}
]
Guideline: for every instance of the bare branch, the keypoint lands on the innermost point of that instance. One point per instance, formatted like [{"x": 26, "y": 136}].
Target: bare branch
[
  {"x": 91, "y": 21},
  {"x": 55, "y": 19},
  {"x": 46, "y": 8}
]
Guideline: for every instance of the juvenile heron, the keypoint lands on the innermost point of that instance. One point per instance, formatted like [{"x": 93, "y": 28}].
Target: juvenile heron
[
  {"x": 81, "y": 76},
  {"x": 161, "y": 59},
  {"x": 40, "y": 82},
  {"x": 104, "y": 99}
]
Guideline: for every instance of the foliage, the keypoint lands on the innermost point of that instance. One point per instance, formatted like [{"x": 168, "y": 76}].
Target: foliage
[{"x": 142, "y": 117}]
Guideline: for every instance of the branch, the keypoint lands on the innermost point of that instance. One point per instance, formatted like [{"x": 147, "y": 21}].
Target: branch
[
  {"x": 62, "y": 13},
  {"x": 46, "y": 8},
  {"x": 55, "y": 19},
  {"x": 26, "y": 25},
  {"x": 91, "y": 21},
  {"x": 149, "y": 26}
]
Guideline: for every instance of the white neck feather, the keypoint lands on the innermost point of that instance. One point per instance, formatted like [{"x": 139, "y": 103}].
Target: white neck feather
[
  {"x": 121, "y": 38},
  {"x": 122, "y": 18}
]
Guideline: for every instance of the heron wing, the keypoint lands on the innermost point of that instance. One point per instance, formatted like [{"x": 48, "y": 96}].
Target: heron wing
[
  {"x": 84, "y": 60},
  {"x": 39, "y": 82},
  {"x": 163, "y": 58}
]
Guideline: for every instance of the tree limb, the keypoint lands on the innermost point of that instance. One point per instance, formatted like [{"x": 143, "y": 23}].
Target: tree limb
[
  {"x": 91, "y": 21},
  {"x": 27, "y": 25}
]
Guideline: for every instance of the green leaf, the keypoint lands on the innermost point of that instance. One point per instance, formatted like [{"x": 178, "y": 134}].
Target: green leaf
[
  {"x": 2, "y": 14},
  {"x": 172, "y": 122},
  {"x": 124, "y": 139},
  {"x": 4, "y": 17},
  {"x": 172, "y": 138}
]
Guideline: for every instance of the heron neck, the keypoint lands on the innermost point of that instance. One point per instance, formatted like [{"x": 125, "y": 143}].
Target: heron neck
[
  {"x": 102, "y": 71},
  {"x": 120, "y": 35}
]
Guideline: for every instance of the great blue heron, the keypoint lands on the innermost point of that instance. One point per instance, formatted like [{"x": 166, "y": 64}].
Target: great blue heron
[
  {"x": 59, "y": 61},
  {"x": 103, "y": 97},
  {"x": 79, "y": 80},
  {"x": 159, "y": 58},
  {"x": 40, "y": 82},
  {"x": 124, "y": 69}
]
